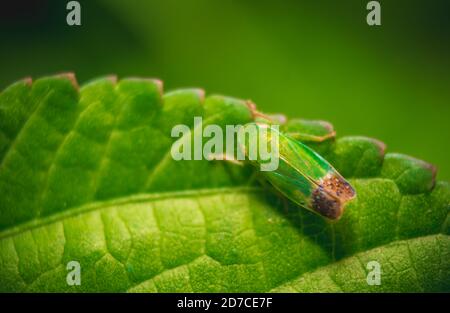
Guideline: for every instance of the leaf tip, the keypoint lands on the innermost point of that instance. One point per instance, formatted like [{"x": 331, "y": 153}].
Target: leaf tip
[
  {"x": 27, "y": 80},
  {"x": 272, "y": 118},
  {"x": 159, "y": 84},
  {"x": 381, "y": 146},
  {"x": 71, "y": 77},
  {"x": 412, "y": 175},
  {"x": 112, "y": 78},
  {"x": 201, "y": 94},
  {"x": 433, "y": 169}
]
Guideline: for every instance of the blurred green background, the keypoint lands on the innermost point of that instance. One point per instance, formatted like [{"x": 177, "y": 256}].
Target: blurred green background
[{"x": 311, "y": 59}]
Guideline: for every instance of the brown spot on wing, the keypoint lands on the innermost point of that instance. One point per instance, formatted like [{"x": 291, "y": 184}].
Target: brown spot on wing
[
  {"x": 338, "y": 187},
  {"x": 330, "y": 197},
  {"x": 326, "y": 205}
]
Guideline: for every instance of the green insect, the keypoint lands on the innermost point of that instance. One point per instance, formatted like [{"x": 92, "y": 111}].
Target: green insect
[{"x": 302, "y": 176}]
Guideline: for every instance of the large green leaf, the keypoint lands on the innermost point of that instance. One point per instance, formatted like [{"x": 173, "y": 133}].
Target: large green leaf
[{"x": 86, "y": 175}]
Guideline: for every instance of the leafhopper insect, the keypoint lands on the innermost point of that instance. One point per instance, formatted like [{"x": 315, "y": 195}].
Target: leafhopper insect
[
  {"x": 302, "y": 175},
  {"x": 305, "y": 177}
]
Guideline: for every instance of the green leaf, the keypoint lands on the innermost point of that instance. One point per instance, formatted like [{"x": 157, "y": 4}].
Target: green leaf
[{"x": 86, "y": 175}]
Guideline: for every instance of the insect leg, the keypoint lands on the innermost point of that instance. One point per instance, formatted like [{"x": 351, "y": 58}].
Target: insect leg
[
  {"x": 268, "y": 118},
  {"x": 308, "y": 137},
  {"x": 224, "y": 157}
]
